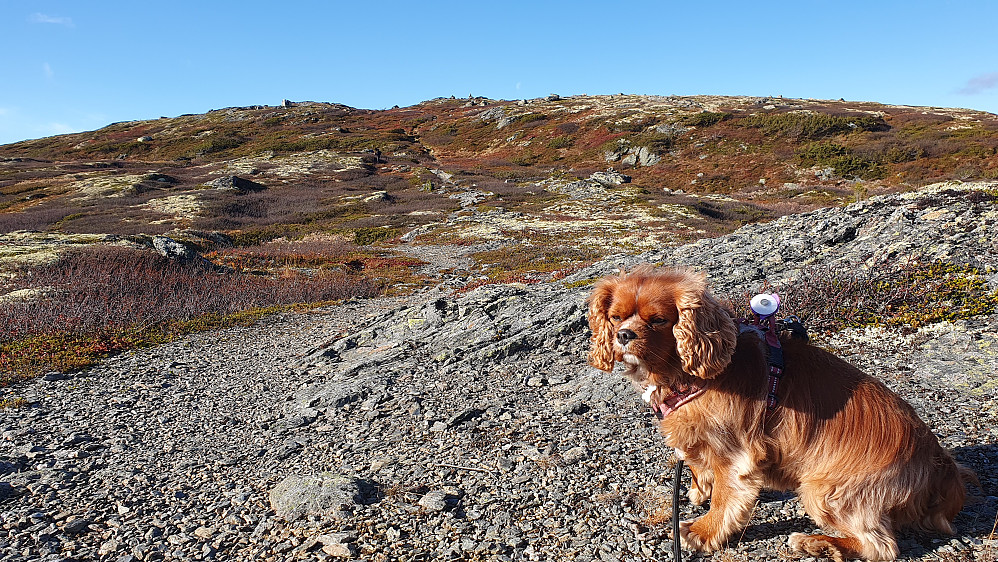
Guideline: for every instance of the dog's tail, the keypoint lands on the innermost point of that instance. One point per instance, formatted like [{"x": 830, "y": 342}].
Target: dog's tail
[
  {"x": 968, "y": 476},
  {"x": 952, "y": 498}
]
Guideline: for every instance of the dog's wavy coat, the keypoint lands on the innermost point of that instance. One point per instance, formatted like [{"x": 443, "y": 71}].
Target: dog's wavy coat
[{"x": 858, "y": 456}]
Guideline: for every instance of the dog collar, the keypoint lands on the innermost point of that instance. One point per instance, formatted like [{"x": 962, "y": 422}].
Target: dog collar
[{"x": 678, "y": 395}]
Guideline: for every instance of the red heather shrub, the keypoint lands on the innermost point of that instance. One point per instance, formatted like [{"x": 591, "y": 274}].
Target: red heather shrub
[{"x": 107, "y": 289}]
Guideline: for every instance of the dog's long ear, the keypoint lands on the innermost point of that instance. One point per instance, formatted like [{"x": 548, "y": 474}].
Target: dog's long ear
[
  {"x": 705, "y": 334},
  {"x": 601, "y": 342}
]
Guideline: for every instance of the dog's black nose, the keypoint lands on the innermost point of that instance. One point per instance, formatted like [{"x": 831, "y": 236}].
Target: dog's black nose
[{"x": 624, "y": 336}]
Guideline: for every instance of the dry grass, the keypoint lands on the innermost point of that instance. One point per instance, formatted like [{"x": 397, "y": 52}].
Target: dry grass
[
  {"x": 657, "y": 507},
  {"x": 990, "y": 553}
]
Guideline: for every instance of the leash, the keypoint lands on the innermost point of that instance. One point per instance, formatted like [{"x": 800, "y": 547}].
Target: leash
[{"x": 677, "y": 551}]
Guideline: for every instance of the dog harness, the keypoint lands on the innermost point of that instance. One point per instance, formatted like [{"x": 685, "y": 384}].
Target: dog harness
[
  {"x": 768, "y": 328},
  {"x": 764, "y": 308}
]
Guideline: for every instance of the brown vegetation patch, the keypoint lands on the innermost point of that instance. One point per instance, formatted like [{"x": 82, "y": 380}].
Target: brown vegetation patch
[{"x": 103, "y": 299}]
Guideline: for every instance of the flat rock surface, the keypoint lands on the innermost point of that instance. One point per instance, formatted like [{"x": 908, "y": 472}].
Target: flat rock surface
[{"x": 459, "y": 426}]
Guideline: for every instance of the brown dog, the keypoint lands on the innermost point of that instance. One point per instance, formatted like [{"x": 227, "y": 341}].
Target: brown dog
[{"x": 858, "y": 456}]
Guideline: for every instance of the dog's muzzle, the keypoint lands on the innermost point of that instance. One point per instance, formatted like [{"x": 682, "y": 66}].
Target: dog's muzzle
[{"x": 625, "y": 336}]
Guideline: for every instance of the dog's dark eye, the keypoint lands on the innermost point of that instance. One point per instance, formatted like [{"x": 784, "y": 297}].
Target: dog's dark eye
[
  {"x": 615, "y": 318},
  {"x": 659, "y": 321}
]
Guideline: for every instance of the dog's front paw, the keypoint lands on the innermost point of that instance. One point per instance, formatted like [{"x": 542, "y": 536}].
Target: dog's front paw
[
  {"x": 690, "y": 538},
  {"x": 691, "y": 541},
  {"x": 816, "y": 545}
]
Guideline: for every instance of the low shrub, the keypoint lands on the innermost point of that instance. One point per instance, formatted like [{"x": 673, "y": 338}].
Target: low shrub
[
  {"x": 217, "y": 144},
  {"x": 101, "y": 300},
  {"x": 373, "y": 235},
  {"x": 563, "y": 141},
  {"x": 533, "y": 262},
  {"x": 568, "y": 128},
  {"x": 807, "y": 125},
  {"x": 278, "y": 254},
  {"x": 39, "y": 217},
  {"x": 530, "y": 118},
  {"x": 898, "y": 153},
  {"x": 821, "y": 152},
  {"x": 704, "y": 119},
  {"x": 843, "y": 161},
  {"x": 852, "y": 166},
  {"x": 739, "y": 213},
  {"x": 907, "y": 296},
  {"x": 656, "y": 142},
  {"x": 526, "y": 158}
]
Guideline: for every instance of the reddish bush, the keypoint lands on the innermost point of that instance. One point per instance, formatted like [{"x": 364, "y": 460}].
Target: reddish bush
[{"x": 106, "y": 289}]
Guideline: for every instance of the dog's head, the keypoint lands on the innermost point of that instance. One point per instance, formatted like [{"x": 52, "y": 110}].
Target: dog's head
[{"x": 663, "y": 324}]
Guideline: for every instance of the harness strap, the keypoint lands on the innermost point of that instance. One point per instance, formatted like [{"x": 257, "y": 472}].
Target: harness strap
[
  {"x": 775, "y": 362},
  {"x": 766, "y": 327}
]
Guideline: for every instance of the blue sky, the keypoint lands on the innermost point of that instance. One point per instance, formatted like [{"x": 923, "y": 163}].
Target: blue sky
[{"x": 73, "y": 66}]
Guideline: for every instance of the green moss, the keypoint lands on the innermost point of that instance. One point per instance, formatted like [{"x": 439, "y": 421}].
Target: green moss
[
  {"x": 506, "y": 264},
  {"x": 530, "y": 118},
  {"x": 806, "y": 125},
  {"x": 11, "y": 403},
  {"x": 841, "y": 160},
  {"x": 581, "y": 283},
  {"x": 373, "y": 235},
  {"x": 63, "y": 352},
  {"x": 704, "y": 119},
  {"x": 34, "y": 355},
  {"x": 70, "y": 217},
  {"x": 906, "y": 296},
  {"x": 959, "y": 292}
]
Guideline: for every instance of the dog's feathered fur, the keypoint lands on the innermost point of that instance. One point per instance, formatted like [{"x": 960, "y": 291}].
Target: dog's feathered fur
[{"x": 858, "y": 456}]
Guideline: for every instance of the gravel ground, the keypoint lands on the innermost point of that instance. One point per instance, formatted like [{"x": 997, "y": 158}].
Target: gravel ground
[
  {"x": 439, "y": 427},
  {"x": 172, "y": 453}
]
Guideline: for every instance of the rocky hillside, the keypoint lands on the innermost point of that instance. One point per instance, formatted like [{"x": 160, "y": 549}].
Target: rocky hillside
[
  {"x": 462, "y": 424},
  {"x": 466, "y": 170}
]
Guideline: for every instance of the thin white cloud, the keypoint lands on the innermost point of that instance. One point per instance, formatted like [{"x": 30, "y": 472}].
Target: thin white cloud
[
  {"x": 47, "y": 69},
  {"x": 44, "y": 18},
  {"x": 980, "y": 84},
  {"x": 56, "y": 128}
]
